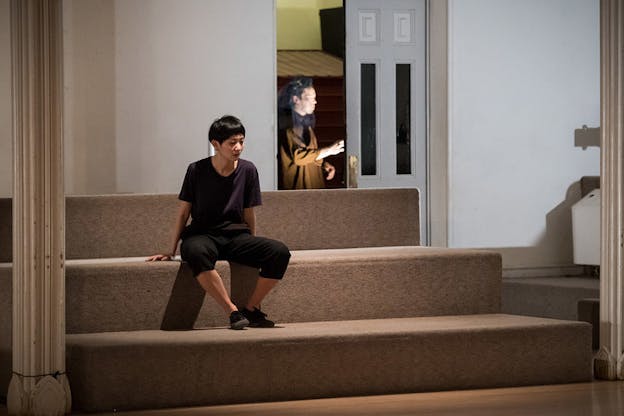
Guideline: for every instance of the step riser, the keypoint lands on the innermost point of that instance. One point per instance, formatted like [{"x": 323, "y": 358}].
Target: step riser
[
  {"x": 549, "y": 301},
  {"x": 141, "y": 296},
  {"x": 431, "y": 286},
  {"x": 114, "y": 299},
  {"x": 329, "y": 134},
  {"x": 137, "y": 298},
  {"x": 330, "y": 118},
  {"x": 330, "y": 102},
  {"x": 351, "y": 218},
  {"x": 147, "y": 376}
]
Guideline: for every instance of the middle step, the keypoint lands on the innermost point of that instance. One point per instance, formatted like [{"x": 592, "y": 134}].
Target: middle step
[{"x": 320, "y": 285}]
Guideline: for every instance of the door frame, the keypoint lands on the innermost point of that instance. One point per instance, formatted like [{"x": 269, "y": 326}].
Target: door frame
[
  {"x": 434, "y": 215},
  {"x": 438, "y": 126},
  {"x": 437, "y": 139}
]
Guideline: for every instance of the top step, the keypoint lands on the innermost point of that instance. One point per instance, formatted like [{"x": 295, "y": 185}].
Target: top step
[{"x": 134, "y": 225}]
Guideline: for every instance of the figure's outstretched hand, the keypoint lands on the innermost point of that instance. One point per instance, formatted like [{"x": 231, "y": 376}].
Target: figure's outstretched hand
[
  {"x": 160, "y": 257},
  {"x": 337, "y": 147},
  {"x": 334, "y": 149}
]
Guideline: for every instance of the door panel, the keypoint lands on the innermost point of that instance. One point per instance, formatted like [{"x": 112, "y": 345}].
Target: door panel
[{"x": 386, "y": 93}]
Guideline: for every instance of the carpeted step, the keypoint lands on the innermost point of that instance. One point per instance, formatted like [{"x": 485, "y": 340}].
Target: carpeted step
[
  {"x": 548, "y": 297},
  {"x": 133, "y": 225},
  {"x": 589, "y": 311},
  {"x": 131, "y": 294},
  {"x": 319, "y": 285},
  {"x": 380, "y": 282},
  {"x": 105, "y": 295},
  {"x": 159, "y": 369},
  {"x": 127, "y": 295}
]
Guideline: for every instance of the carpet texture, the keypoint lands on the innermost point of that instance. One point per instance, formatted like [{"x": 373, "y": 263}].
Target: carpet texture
[
  {"x": 379, "y": 282},
  {"x": 131, "y": 225},
  {"x": 361, "y": 310},
  {"x": 151, "y": 369},
  {"x": 551, "y": 297},
  {"x": 128, "y": 296}
]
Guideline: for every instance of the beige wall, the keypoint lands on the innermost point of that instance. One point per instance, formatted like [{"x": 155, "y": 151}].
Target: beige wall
[
  {"x": 6, "y": 141},
  {"x": 519, "y": 86},
  {"x": 145, "y": 78},
  {"x": 298, "y": 23},
  {"x": 89, "y": 66}
]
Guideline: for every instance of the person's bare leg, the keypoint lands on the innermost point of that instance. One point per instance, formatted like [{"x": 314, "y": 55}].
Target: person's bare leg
[
  {"x": 263, "y": 287},
  {"x": 212, "y": 283}
]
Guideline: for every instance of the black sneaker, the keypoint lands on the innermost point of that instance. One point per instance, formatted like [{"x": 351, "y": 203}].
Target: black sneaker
[
  {"x": 257, "y": 318},
  {"x": 238, "y": 320}
]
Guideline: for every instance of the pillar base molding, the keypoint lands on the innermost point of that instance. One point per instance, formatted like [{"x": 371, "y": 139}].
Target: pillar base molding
[
  {"x": 606, "y": 366},
  {"x": 39, "y": 396}
]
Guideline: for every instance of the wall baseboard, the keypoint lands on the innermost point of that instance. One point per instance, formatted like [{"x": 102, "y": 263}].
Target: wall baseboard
[{"x": 555, "y": 271}]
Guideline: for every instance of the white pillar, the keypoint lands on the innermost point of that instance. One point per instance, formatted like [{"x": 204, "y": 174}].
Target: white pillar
[
  {"x": 39, "y": 385},
  {"x": 608, "y": 363}
]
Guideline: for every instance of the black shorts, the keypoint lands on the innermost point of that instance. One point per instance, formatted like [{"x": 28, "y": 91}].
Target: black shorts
[{"x": 202, "y": 251}]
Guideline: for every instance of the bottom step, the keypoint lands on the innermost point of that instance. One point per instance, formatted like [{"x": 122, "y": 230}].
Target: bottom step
[
  {"x": 548, "y": 297},
  {"x": 158, "y": 369}
]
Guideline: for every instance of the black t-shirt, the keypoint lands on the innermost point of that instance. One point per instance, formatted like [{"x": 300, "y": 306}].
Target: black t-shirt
[{"x": 217, "y": 202}]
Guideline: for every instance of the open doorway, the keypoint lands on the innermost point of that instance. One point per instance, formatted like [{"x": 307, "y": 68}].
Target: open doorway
[{"x": 311, "y": 43}]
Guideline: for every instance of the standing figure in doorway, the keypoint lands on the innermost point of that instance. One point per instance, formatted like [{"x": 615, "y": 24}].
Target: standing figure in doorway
[{"x": 302, "y": 164}]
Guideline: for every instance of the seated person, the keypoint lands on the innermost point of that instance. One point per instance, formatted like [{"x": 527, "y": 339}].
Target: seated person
[{"x": 220, "y": 193}]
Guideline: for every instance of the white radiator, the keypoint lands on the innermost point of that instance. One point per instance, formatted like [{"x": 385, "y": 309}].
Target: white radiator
[{"x": 586, "y": 229}]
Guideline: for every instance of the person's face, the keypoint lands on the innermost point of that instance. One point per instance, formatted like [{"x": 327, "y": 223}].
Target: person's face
[
  {"x": 231, "y": 148},
  {"x": 307, "y": 102}
]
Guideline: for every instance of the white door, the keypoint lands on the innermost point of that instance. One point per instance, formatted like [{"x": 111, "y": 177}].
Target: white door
[{"x": 386, "y": 94}]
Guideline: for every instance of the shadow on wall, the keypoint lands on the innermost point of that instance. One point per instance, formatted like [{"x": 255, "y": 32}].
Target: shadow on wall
[
  {"x": 555, "y": 247},
  {"x": 559, "y": 224}
]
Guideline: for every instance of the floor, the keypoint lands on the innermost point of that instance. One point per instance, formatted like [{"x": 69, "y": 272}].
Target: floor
[
  {"x": 587, "y": 399},
  {"x": 599, "y": 398}
]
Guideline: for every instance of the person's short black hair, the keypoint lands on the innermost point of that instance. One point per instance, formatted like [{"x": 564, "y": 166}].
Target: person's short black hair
[{"x": 225, "y": 127}]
